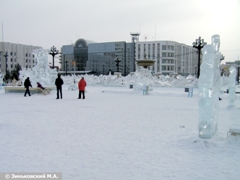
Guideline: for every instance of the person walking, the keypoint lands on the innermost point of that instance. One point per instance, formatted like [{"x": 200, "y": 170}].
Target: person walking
[
  {"x": 81, "y": 86},
  {"x": 27, "y": 84},
  {"x": 59, "y": 83}
]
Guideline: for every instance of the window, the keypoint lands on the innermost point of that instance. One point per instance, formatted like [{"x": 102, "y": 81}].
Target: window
[
  {"x": 26, "y": 60},
  {"x": 11, "y": 53},
  {"x": 164, "y": 54},
  {"x": 164, "y": 47},
  {"x": 26, "y": 55}
]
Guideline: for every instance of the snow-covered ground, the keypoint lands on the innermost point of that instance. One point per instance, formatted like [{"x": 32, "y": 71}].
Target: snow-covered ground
[{"x": 116, "y": 133}]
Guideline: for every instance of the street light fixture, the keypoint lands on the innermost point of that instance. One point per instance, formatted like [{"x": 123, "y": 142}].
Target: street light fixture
[
  {"x": 66, "y": 66},
  {"x": 103, "y": 68},
  {"x": 117, "y": 60},
  {"x": 199, "y": 44},
  {"x": 6, "y": 56},
  {"x": 53, "y": 52}
]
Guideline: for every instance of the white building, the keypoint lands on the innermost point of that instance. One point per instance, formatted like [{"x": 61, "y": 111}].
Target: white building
[
  {"x": 16, "y": 54},
  {"x": 170, "y": 57}
]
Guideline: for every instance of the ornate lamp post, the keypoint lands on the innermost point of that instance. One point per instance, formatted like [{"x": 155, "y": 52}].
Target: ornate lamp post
[
  {"x": 117, "y": 63},
  {"x": 53, "y": 52},
  {"x": 103, "y": 68},
  {"x": 199, "y": 44}
]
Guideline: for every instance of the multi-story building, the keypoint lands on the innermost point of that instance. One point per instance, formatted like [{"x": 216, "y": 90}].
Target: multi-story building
[
  {"x": 16, "y": 54},
  {"x": 98, "y": 57},
  {"x": 102, "y": 56},
  {"x": 170, "y": 57}
]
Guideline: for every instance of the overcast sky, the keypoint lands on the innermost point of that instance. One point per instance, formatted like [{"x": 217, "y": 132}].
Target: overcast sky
[{"x": 60, "y": 22}]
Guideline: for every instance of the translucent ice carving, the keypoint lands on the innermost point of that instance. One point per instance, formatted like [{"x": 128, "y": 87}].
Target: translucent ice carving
[
  {"x": 232, "y": 86},
  {"x": 209, "y": 86}
]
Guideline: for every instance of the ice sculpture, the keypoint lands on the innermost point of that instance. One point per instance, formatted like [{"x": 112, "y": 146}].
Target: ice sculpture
[
  {"x": 142, "y": 79},
  {"x": 232, "y": 86},
  {"x": 41, "y": 72},
  {"x": 209, "y": 88}
]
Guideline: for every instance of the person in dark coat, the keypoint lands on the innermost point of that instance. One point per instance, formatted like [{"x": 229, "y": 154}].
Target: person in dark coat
[
  {"x": 59, "y": 83},
  {"x": 40, "y": 86},
  {"x": 27, "y": 84},
  {"x": 81, "y": 86}
]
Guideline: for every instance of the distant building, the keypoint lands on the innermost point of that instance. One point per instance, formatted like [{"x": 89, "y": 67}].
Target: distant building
[
  {"x": 170, "y": 57},
  {"x": 17, "y": 54},
  {"x": 98, "y": 57}
]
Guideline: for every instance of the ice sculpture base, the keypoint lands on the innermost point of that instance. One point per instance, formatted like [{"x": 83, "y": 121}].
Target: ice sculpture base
[
  {"x": 234, "y": 130},
  {"x": 21, "y": 89},
  {"x": 205, "y": 133}
]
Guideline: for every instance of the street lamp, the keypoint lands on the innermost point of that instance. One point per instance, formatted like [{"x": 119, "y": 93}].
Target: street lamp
[
  {"x": 199, "y": 44},
  {"x": 6, "y": 55},
  {"x": 66, "y": 66},
  {"x": 103, "y": 68},
  {"x": 74, "y": 65},
  {"x": 53, "y": 52},
  {"x": 117, "y": 63}
]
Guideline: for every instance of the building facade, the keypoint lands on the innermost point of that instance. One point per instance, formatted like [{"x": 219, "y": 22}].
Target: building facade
[
  {"x": 99, "y": 58},
  {"x": 16, "y": 54},
  {"x": 170, "y": 57}
]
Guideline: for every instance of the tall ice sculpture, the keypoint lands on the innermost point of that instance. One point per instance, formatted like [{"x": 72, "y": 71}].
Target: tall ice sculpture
[
  {"x": 209, "y": 89},
  {"x": 41, "y": 73},
  {"x": 232, "y": 86}
]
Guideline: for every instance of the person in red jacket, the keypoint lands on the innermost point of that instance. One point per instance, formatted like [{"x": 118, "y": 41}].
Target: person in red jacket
[{"x": 81, "y": 86}]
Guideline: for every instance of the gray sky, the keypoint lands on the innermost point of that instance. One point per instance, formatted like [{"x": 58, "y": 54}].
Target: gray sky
[{"x": 60, "y": 22}]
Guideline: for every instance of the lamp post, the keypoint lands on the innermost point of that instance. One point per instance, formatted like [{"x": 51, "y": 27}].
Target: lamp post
[
  {"x": 74, "y": 65},
  {"x": 53, "y": 52},
  {"x": 117, "y": 63},
  {"x": 238, "y": 72},
  {"x": 199, "y": 44},
  {"x": 103, "y": 68},
  {"x": 6, "y": 56},
  {"x": 66, "y": 66}
]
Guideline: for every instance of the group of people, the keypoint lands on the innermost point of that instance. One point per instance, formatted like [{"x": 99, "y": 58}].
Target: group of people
[{"x": 58, "y": 82}]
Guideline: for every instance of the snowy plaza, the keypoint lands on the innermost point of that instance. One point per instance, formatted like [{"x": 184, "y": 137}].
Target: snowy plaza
[{"x": 116, "y": 133}]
